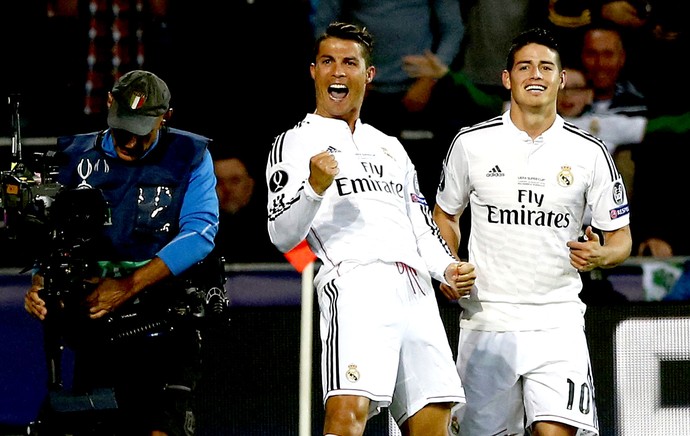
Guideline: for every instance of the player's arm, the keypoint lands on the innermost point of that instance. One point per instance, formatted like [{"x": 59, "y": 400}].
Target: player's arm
[
  {"x": 293, "y": 201},
  {"x": 463, "y": 279},
  {"x": 594, "y": 253},
  {"x": 617, "y": 246},
  {"x": 610, "y": 214},
  {"x": 453, "y": 194},
  {"x": 440, "y": 260},
  {"x": 449, "y": 225}
]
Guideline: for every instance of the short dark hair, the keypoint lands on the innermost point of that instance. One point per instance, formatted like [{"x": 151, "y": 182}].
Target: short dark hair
[
  {"x": 535, "y": 35},
  {"x": 350, "y": 32}
]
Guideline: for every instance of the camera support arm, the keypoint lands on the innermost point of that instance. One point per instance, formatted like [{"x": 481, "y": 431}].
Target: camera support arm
[{"x": 13, "y": 101}]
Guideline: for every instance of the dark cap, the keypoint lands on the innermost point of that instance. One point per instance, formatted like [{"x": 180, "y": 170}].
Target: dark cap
[{"x": 139, "y": 98}]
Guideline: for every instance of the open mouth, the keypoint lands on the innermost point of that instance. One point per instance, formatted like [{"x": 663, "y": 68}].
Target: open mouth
[
  {"x": 338, "y": 91},
  {"x": 537, "y": 88}
]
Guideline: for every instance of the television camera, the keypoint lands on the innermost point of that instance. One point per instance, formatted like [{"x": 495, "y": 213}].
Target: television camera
[
  {"x": 66, "y": 225},
  {"x": 26, "y": 192},
  {"x": 75, "y": 220}
]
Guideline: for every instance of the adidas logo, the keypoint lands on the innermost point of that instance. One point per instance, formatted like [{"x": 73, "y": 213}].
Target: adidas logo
[
  {"x": 495, "y": 172},
  {"x": 332, "y": 150}
]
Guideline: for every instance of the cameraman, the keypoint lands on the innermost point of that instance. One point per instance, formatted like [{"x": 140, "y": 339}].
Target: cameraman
[{"x": 159, "y": 188}]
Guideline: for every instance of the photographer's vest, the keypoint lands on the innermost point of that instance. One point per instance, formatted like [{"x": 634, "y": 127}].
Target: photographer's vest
[{"x": 144, "y": 196}]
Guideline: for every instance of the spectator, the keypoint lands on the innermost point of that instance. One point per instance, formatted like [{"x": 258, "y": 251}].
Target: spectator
[
  {"x": 648, "y": 163},
  {"x": 242, "y": 210},
  {"x": 575, "y": 105},
  {"x": 603, "y": 58},
  {"x": 658, "y": 30}
]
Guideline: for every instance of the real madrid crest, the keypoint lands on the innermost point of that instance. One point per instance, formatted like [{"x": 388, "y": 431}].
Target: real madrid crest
[
  {"x": 352, "y": 374},
  {"x": 565, "y": 176}
]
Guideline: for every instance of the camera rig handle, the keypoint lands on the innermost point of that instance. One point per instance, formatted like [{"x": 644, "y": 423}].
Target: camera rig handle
[{"x": 13, "y": 101}]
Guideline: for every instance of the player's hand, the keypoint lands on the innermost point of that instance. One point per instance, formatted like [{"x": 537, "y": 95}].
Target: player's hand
[
  {"x": 460, "y": 277},
  {"x": 586, "y": 255},
  {"x": 323, "y": 168}
]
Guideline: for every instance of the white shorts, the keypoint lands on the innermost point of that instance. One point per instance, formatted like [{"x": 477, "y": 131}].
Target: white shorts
[
  {"x": 513, "y": 379},
  {"x": 382, "y": 338}
]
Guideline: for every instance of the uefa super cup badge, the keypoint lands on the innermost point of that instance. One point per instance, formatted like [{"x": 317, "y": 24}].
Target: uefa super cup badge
[{"x": 84, "y": 170}]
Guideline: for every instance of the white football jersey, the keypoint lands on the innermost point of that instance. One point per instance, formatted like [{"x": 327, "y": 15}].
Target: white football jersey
[
  {"x": 373, "y": 211},
  {"x": 527, "y": 200}
]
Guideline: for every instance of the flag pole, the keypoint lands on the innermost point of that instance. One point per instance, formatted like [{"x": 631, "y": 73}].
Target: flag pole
[
  {"x": 302, "y": 258},
  {"x": 306, "y": 332}
]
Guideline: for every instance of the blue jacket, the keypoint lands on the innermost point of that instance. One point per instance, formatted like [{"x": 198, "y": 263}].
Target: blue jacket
[{"x": 163, "y": 204}]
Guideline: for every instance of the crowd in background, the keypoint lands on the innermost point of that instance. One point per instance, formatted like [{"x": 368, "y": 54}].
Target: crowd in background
[{"x": 240, "y": 71}]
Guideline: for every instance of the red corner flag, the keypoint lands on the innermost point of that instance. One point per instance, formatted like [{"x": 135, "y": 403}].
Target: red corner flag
[{"x": 300, "y": 256}]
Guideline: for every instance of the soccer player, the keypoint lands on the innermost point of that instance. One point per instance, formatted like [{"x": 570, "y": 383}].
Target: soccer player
[
  {"x": 528, "y": 177},
  {"x": 352, "y": 192}
]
